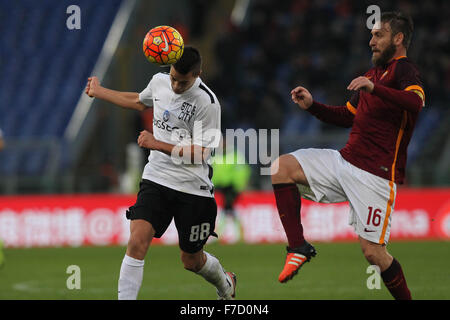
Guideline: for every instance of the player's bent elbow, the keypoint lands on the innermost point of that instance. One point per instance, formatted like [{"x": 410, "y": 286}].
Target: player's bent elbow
[{"x": 417, "y": 106}]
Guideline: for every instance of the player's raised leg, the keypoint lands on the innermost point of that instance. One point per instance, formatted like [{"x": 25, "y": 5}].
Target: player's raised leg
[
  {"x": 391, "y": 270},
  {"x": 209, "y": 267},
  {"x": 286, "y": 174},
  {"x": 132, "y": 269}
]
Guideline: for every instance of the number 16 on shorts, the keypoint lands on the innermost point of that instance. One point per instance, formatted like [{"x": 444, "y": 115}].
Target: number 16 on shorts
[
  {"x": 374, "y": 217},
  {"x": 374, "y": 226},
  {"x": 199, "y": 232}
]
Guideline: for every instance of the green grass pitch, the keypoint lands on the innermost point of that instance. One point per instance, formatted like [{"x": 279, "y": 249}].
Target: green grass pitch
[{"x": 337, "y": 272}]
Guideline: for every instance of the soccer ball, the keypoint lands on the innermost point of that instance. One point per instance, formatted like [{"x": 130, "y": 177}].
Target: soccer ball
[{"x": 163, "y": 45}]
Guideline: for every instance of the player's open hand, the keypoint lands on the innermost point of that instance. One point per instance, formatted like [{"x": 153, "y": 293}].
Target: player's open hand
[
  {"x": 92, "y": 86},
  {"x": 302, "y": 97},
  {"x": 146, "y": 140},
  {"x": 362, "y": 83}
]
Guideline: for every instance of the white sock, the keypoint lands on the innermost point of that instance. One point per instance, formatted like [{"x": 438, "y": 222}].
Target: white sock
[
  {"x": 213, "y": 272},
  {"x": 130, "y": 279}
]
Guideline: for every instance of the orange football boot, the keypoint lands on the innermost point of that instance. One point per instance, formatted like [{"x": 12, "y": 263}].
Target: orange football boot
[{"x": 295, "y": 259}]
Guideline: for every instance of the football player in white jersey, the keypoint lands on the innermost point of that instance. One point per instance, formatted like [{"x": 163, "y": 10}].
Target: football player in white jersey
[{"x": 186, "y": 127}]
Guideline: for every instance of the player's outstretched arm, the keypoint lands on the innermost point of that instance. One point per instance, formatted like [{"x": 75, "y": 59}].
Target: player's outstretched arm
[
  {"x": 339, "y": 115},
  {"x": 128, "y": 100}
]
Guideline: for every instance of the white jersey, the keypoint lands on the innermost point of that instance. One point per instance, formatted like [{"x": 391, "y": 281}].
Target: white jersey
[{"x": 174, "y": 117}]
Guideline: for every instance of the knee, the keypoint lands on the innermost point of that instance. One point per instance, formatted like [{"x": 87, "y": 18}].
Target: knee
[
  {"x": 370, "y": 255},
  {"x": 278, "y": 171},
  {"x": 137, "y": 247},
  {"x": 190, "y": 266},
  {"x": 192, "y": 262},
  {"x": 376, "y": 255}
]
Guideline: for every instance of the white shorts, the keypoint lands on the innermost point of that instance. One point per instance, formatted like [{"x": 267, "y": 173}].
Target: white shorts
[{"x": 332, "y": 179}]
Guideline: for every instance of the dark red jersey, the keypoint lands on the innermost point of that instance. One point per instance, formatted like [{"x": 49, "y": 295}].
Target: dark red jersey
[{"x": 382, "y": 122}]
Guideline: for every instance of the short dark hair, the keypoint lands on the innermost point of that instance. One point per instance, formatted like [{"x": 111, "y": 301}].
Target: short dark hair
[
  {"x": 191, "y": 60},
  {"x": 399, "y": 22}
]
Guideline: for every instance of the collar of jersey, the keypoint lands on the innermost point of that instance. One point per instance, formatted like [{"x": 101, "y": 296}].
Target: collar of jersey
[
  {"x": 396, "y": 59},
  {"x": 391, "y": 62}
]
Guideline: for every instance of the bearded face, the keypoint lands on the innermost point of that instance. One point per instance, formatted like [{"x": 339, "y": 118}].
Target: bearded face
[
  {"x": 382, "y": 44},
  {"x": 383, "y": 56}
]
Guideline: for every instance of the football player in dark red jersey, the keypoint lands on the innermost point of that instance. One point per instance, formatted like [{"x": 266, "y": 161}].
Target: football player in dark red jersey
[{"x": 381, "y": 113}]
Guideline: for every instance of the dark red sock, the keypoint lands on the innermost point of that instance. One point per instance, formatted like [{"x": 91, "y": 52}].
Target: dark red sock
[
  {"x": 395, "y": 281},
  {"x": 288, "y": 201}
]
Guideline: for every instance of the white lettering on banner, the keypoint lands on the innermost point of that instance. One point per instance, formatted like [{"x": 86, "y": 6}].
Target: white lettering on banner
[
  {"x": 56, "y": 227},
  {"x": 73, "y": 233},
  {"x": 100, "y": 226},
  {"x": 326, "y": 222},
  {"x": 66, "y": 226},
  {"x": 445, "y": 225},
  {"x": 42, "y": 227},
  {"x": 9, "y": 227},
  {"x": 413, "y": 223},
  {"x": 261, "y": 223},
  {"x": 24, "y": 223},
  {"x": 315, "y": 223},
  {"x": 36, "y": 228}
]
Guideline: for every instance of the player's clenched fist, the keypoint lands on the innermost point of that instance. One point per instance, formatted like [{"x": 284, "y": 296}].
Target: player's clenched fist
[
  {"x": 302, "y": 97},
  {"x": 146, "y": 140},
  {"x": 92, "y": 86}
]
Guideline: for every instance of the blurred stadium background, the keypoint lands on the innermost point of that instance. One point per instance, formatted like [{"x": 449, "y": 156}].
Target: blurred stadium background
[{"x": 64, "y": 151}]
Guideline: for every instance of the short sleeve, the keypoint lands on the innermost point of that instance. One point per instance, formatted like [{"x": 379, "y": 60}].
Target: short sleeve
[
  {"x": 408, "y": 78},
  {"x": 206, "y": 132},
  {"x": 146, "y": 96}
]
